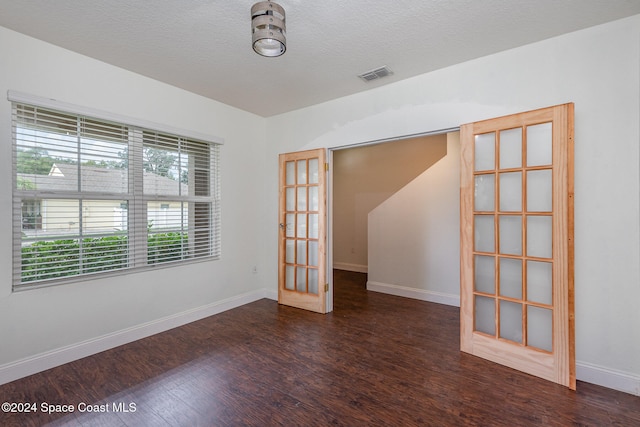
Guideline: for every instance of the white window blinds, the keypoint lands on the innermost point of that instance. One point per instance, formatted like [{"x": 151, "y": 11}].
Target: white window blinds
[{"x": 93, "y": 196}]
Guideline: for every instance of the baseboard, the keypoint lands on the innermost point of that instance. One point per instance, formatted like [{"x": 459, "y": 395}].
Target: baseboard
[
  {"x": 420, "y": 294},
  {"x": 31, "y": 365},
  {"x": 610, "y": 378},
  {"x": 358, "y": 268}
]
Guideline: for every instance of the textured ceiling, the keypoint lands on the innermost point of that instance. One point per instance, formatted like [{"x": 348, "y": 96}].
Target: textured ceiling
[{"x": 204, "y": 46}]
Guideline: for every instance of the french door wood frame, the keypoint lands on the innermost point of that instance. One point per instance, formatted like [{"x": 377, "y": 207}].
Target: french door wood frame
[
  {"x": 516, "y": 242},
  {"x": 302, "y": 279}
]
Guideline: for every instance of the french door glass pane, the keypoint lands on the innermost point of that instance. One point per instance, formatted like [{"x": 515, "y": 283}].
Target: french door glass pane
[
  {"x": 290, "y": 173},
  {"x": 302, "y": 172},
  {"x": 511, "y": 321},
  {"x": 511, "y": 148},
  {"x": 301, "y": 279},
  {"x": 511, "y": 192},
  {"x": 313, "y": 253},
  {"x": 301, "y": 252},
  {"x": 313, "y": 226},
  {"x": 290, "y": 273},
  {"x": 511, "y": 278},
  {"x": 539, "y": 229},
  {"x": 302, "y": 198},
  {"x": 290, "y": 257},
  {"x": 540, "y": 328},
  {"x": 313, "y": 171},
  {"x": 313, "y": 198},
  {"x": 485, "y": 315},
  {"x": 302, "y": 226},
  {"x": 484, "y": 233},
  {"x": 485, "y": 151},
  {"x": 290, "y": 221},
  {"x": 290, "y": 197},
  {"x": 539, "y": 145},
  {"x": 539, "y": 190},
  {"x": 539, "y": 282},
  {"x": 484, "y": 194},
  {"x": 313, "y": 281},
  {"x": 510, "y": 227},
  {"x": 485, "y": 274}
]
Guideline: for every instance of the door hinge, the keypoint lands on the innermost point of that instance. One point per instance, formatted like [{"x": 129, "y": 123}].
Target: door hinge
[
  {"x": 326, "y": 166},
  {"x": 326, "y": 287}
]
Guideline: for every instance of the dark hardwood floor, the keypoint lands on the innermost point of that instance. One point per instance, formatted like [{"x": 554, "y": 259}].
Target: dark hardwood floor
[{"x": 377, "y": 360}]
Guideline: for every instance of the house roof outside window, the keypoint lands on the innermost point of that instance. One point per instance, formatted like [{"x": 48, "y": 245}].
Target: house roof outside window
[{"x": 64, "y": 177}]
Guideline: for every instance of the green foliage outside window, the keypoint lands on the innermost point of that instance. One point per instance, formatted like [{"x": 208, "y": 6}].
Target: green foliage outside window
[{"x": 50, "y": 259}]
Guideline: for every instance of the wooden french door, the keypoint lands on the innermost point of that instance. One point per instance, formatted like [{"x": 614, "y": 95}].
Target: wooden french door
[
  {"x": 302, "y": 240},
  {"x": 517, "y": 242}
]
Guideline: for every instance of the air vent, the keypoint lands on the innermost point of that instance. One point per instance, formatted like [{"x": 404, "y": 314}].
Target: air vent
[{"x": 378, "y": 73}]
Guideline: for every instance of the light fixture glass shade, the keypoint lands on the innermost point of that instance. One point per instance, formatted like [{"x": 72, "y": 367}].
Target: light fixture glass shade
[{"x": 268, "y": 29}]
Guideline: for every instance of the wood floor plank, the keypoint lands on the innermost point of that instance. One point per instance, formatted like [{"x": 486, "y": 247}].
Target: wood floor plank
[{"x": 375, "y": 360}]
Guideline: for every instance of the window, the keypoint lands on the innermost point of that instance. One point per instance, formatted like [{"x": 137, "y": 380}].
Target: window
[{"x": 94, "y": 196}]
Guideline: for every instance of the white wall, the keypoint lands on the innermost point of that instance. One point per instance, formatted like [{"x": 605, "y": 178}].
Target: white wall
[
  {"x": 414, "y": 235},
  {"x": 42, "y": 327},
  {"x": 599, "y": 70}
]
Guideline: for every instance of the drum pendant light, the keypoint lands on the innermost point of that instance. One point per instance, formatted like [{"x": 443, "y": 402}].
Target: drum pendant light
[{"x": 268, "y": 29}]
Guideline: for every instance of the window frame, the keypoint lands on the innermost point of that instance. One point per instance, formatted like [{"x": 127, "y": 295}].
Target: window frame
[{"x": 137, "y": 257}]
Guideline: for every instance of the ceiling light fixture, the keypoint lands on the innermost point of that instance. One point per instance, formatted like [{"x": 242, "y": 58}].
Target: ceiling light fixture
[{"x": 268, "y": 29}]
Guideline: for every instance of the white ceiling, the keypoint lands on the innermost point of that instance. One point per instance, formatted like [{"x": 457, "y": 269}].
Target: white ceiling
[{"x": 204, "y": 46}]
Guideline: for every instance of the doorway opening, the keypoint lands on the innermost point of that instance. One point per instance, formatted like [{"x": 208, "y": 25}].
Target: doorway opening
[{"x": 394, "y": 214}]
